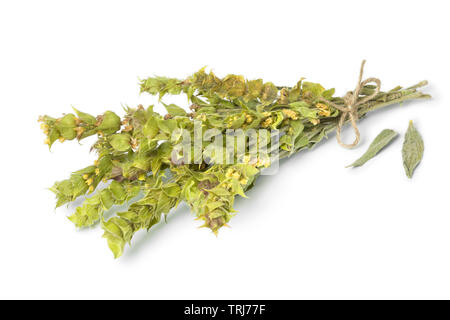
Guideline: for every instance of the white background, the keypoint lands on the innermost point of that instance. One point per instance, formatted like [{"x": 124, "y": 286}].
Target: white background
[{"x": 314, "y": 230}]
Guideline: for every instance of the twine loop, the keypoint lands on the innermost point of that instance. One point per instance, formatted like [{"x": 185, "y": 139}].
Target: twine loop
[{"x": 352, "y": 102}]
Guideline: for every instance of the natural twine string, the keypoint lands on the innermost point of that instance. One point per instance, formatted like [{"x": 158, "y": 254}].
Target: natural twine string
[{"x": 352, "y": 102}]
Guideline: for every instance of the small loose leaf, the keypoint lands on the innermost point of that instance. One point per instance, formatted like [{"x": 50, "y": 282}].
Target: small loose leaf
[
  {"x": 381, "y": 141},
  {"x": 412, "y": 151}
]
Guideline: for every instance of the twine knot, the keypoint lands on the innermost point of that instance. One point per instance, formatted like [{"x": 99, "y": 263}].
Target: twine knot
[{"x": 351, "y": 105}]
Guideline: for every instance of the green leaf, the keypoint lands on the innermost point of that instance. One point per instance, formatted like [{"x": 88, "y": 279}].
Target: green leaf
[
  {"x": 269, "y": 92},
  {"x": 221, "y": 192},
  {"x": 85, "y": 215},
  {"x": 118, "y": 232},
  {"x": 151, "y": 128},
  {"x": 79, "y": 185},
  {"x": 117, "y": 191},
  {"x": 66, "y": 126},
  {"x": 304, "y": 109},
  {"x": 313, "y": 90},
  {"x": 214, "y": 205},
  {"x": 381, "y": 141},
  {"x": 172, "y": 190},
  {"x": 254, "y": 89},
  {"x": 301, "y": 142},
  {"x": 167, "y": 126},
  {"x": 53, "y": 136},
  {"x": 294, "y": 93},
  {"x": 65, "y": 187},
  {"x": 412, "y": 151},
  {"x": 235, "y": 124},
  {"x": 297, "y": 128},
  {"x": 106, "y": 198},
  {"x": 110, "y": 123},
  {"x": 120, "y": 142},
  {"x": 328, "y": 94},
  {"x": 174, "y": 110},
  {"x": 86, "y": 118}
]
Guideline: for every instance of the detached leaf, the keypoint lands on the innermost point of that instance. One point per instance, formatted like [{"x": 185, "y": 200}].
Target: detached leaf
[
  {"x": 381, "y": 141},
  {"x": 412, "y": 151},
  {"x": 120, "y": 142}
]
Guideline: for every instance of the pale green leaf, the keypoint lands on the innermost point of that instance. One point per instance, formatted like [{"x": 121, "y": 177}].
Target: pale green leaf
[
  {"x": 120, "y": 142},
  {"x": 381, "y": 141},
  {"x": 175, "y": 110}
]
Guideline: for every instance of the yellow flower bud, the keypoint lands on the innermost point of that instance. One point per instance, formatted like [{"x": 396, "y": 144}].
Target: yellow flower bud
[
  {"x": 142, "y": 177},
  {"x": 85, "y": 176},
  {"x": 61, "y": 139},
  {"x": 266, "y": 122},
  {"x": 291, "y": 114},
  {"x": 91, "y": 188},
  {"x": 47, "y": 141},
  {"x": 97, "y": 171},
  {"x": 324, "y": 110},
  {"x": 89, "y": 181}
]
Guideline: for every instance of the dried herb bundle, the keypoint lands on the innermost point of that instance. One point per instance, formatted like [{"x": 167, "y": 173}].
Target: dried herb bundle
[{"x": 135, "y": 153}]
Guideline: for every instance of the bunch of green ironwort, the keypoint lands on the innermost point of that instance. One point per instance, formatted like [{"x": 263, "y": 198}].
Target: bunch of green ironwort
[{"x": 146, "y": 164}]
